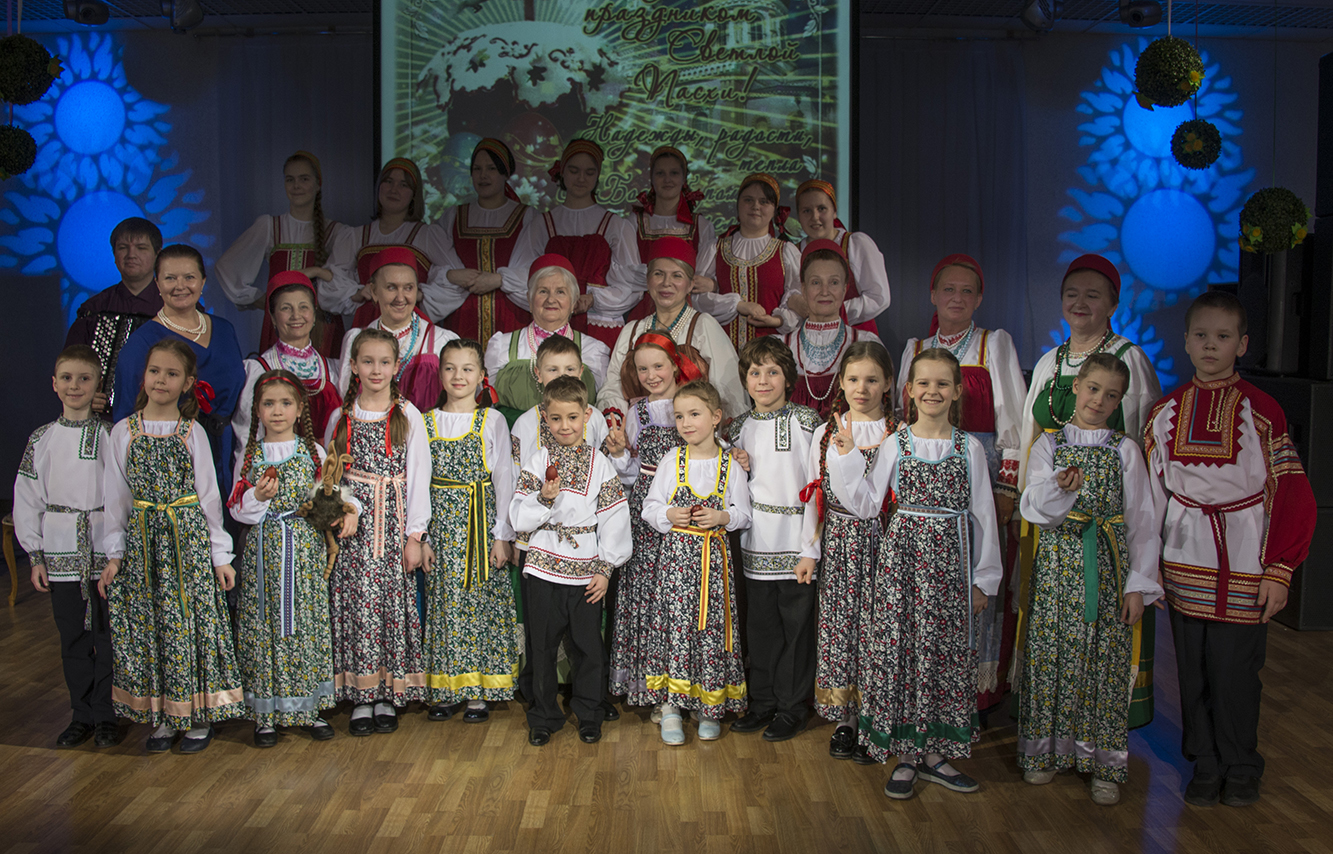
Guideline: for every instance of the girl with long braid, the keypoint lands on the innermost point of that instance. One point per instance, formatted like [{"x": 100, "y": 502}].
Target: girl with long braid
[
  {"x": 283, "y": 639},
  {"x": 299, "y": 240},
  {"x": 377, "y": 656},
  {"x": 843, "y": 546}
]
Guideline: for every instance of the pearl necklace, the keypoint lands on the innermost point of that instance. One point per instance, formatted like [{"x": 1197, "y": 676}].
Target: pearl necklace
[
  {"x": 194, "y": 334},
  {"x": 671, "y": 327}
]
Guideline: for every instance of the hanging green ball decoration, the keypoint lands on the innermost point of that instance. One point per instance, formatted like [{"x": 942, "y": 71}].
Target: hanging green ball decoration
[
  {"x": 1168, "y": 73},
  {"x": 26, "y": 69},
  {"x": 1273, "y": 220},
  {"x": 1196, "y": 144},
  {"x": 18, "y": 151}
]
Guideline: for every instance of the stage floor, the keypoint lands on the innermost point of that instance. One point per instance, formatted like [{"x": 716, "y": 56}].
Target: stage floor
[{"x": 480, "y": 788}]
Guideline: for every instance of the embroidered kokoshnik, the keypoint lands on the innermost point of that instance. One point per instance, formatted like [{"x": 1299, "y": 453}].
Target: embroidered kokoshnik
[
  {"x": 478, "y": 566},
  {"x": 1093, "y": 528},
  {"x": 169, "y": 508},
  {"x": 710, "y": 535},
  {"x": 1216, "y": 514},
  {"x": 381, "y": 484}
]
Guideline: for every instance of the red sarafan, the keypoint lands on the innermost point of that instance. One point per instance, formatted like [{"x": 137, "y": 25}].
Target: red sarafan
[{"x": 552, "y": 473}]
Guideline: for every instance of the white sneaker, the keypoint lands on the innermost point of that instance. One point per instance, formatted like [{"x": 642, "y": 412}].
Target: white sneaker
[
  {"x": 1104, "y": 793},
  {"x": 1038, "y": 778},
  {"x": 710, "y": 730},
  {"x": 673, "y": 729}
]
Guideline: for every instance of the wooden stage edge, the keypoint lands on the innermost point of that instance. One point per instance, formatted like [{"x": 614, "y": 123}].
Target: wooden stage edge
[{"x": 461, "y": 787}]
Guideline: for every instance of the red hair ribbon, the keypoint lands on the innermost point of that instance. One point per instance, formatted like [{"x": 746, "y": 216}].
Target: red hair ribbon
[
  {"x": 486, "y": 394},
  {"x": 814, "y": 489},
  {"x": 778, "y": 228},
  {"x": 241, "y": 486},
  {"x": 204, "y": 394},
  {"x": 685, "y": 368},
  {"x": 300, "y": 389}
]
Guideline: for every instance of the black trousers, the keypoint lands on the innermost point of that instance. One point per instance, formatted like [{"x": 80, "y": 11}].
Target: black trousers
[
  {"x": 85, "y": 655},
  {"x": 1218, "y": 669},
  {"x": 780, "y": 635},
  {"x": 552, "y": 610}
]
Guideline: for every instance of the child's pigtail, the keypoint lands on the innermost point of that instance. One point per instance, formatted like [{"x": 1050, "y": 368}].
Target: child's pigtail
[
  {"x": 397, "y": 417},
  {"x": 344, "y": 428},
  {"x": 308, "y": 436}
]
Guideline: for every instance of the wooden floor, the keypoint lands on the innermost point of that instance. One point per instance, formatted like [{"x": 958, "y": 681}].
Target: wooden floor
[{"x": 480, "y": 788}]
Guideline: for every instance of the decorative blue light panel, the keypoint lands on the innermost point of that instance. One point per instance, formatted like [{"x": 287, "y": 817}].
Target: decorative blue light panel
[
  {"x": 1169, "y": 229},
  {"x": 101, "y": 157}
]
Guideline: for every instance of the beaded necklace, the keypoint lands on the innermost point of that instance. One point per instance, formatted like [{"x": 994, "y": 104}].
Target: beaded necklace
[
  {"x": 821, "y": 354},
  {"x": 960, "y": 346},
  {"x": 194, "y": 334},
  {"x": 671, "y": 327},
  {"x": 302, "y": 361},
  {"x": 1061, "y": 362},
  {"x": 405, "y": 353},
  {"x": 534, "y": 340}
]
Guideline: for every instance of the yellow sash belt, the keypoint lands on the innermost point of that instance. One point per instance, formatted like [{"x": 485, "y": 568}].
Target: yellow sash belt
[
  {"x": 478, "y": 564},
  {"x": 170, "y": 509},
  {"x": 709, "y": 535}
]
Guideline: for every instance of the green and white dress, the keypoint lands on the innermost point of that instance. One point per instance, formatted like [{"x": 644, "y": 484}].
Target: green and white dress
[
  {"x": 471, "y": 647},
  {"x": 174, "y": 659},
  {"x": 284, "y": 643},
  {"x": 1075, "y": 668}
]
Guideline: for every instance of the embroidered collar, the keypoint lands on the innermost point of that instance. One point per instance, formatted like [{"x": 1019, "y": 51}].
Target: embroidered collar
[
  {"x": 1215, "y": 384},
  {"x": 306, "y": 352},
  {"x": 77, "y": 425},
  {"x": 782, "y": 410}
]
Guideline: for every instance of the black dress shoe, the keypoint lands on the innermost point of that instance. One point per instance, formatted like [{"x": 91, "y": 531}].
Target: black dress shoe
[
  {"x": 319, "y": 733},
  {"x": 843, "y": 743},
  {"x": 609, "y": 711},
  {"x": 1240, "y": 791},
  {"x": 1204, "y": 790},
  {"x": 75, "y": 734},
  {"x": 361, "y": 726},
  {"x": 443, "y": 711},
  {"x": 862, "y": 756},
  {"x": 752, "y": 722},
  {"x": 784, "y": 726},
  {"x": 197, "y": 745},
  {"x": 160, "y": 744},
  {"x": 386, "y": 723},
  {"x": 538, "y": 735},
  {"x": 590, "y": 733},
  {"x": 266, "y": 739},
  {"x": 106, "y": 734},
  {"x": 476, "y": 716}
]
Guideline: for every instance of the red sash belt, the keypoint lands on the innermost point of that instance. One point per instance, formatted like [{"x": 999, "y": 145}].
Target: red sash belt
[{"x": 1216, "y": 514}]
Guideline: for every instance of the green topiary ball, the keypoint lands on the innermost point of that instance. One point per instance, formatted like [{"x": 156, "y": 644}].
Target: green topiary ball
[
  {"x": 26, "y": 69},
  {"x": 1196, "y": 144},
  {"x": 1273, "y": 220},
  {"x": 18, "y": 151},
  {"x": 1168, "y": 73}
]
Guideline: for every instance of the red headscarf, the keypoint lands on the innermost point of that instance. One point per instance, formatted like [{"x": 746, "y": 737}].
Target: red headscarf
[
  {"x": 1097, "y": 264},
  {"x": 686, "y": 370},
  {"x": 675, "y": 248},
  {"x": 955, "y": 260}
]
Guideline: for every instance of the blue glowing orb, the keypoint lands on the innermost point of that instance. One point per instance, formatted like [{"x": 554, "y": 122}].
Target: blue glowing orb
[
  {"x": 90, "y": 117},
  {"x": 1150, "y": 131},
  {"x": 82, "y": 242},
  {"x": 1168, "y": 239}
]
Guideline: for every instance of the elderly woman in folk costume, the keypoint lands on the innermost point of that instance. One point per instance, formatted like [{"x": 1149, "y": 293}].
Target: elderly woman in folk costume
[
  {"x": 755, "y": 266},
  {"x": 1089, "y": 295},
  {"x": 867, "y": 282},
  {"x": 553, "y": 290},
  {"x": 394, "y": 287},
  {"x": 667, "y": 209},
  {"x": 593, "y": 239},
  {"x": 993, "y": 391},
  {"x": 484, "y": 237},
  {"x": 294, "y": 315},
  {"x": 670, "y": 274},
  {"x": 299, "y": 240},
  {"x": 820, "y": 340},
  {"x": 397, "y": 224}
]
